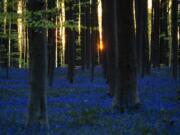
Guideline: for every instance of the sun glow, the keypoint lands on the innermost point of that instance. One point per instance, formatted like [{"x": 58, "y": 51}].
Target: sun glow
[{"x": 149, "y": 4}]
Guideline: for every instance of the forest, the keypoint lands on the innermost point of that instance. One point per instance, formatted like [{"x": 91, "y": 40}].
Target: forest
[{"x": 89, "y": 67}]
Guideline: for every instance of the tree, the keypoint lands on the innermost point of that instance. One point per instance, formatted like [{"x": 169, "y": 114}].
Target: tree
[
  {"x": 142, "y": 41},
  {"x": 70, "y": 39},
  {"x": 109, "y": 37},
  {"x": 4, "y": 40},
  {"x": 174, "y": 38},
  {"x": 83, "y": 34},
  {"x": 126, "y": 93},
  {"x": 88, "y": 35},
  {"x": 94, "y": 24},
  {"x": 51, "y": 43},
  {"x": 155, "y": 47},
  {"x": 37, "y": 111},
  {"x": 164, "y": 32}
]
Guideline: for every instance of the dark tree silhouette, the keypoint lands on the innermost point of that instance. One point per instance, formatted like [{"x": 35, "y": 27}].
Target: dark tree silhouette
[
  {"x": 37, "y": 113},
  {"x": 94, "y": 24},
  {"x": 88, "y": 35},
  {"x": 164, "y": 49},
  {"x": 142, "y": 42},
  {"x": 174, "y": 38},
  {"x": 126, "y": 94},
  {"x": 155, "y": 47},
  {"x": 70, "y": 39},
  {"x": 51, "y": 43},
  {"x": 109, "y": 37},
  {"x": 83, "y": 34},
  {"x": 4, "y": 43}
]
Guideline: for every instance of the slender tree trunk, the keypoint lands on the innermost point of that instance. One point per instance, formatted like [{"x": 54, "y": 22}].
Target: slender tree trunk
[
  {"x": 109, "y": 34},
  {"x": 164, "y": 33},
  {"x": 145, "y": 45},
  {"x": 155, "y": 34},
  {"x": 83, "y": 34},
  {"x": 142, "y": 43},
  {"x": 37, "y": 113},
  {"x": 70, "y": 36},
  {"x": 51, "y": 44},
  {"x": 105, "y": 26},
  {"x": 1, "y": 37},
  {"x": 139, "y": 34},
  {"x": 179, "y": 52},
  {"x": 174, "y": 38},
  {"x": 94, "y": 24},
  {"x": 88, "y": 35},
  {"x": 5, "y": 40}
]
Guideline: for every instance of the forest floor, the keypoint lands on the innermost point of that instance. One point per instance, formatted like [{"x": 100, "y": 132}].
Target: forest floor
[{"x": 83, "y": 108}]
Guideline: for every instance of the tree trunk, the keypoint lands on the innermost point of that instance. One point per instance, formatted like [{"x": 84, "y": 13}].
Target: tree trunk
[
  {"x": 145, "y": 40},
  {"x": 70, "y": 40},
  {"x": 37, "y": 113},
  {"x": 155, "y": 34},
  {"x": 139, "y": 33},
  {"x": 174, "y": 38},
  {"x": 88, "y": 36},
  {"x": 51, "y": 44},
  {"x": 126, "y": 95},
  {"x": 4, "y": 40},
  {"x": 164, "y": 33},
  {"x": 94, "y": 24},
  {"x": 109, "y": 34}
]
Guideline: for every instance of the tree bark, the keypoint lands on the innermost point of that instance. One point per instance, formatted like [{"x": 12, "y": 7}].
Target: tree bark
[
  {"x": 109, "y": 37},
  {"x": 126, "y": 95},
  {"x": 94, "y": 24},
  {"x": 70, "y": 40},
  {"x": 164, "y": 33},
  {"x": 37, "y": 111},
  {"x": 51, "y": 44},
  {"x": 142, "y": 41},
  {"x": 174, "y": 39},
  {"x": 155, "y": 50}
]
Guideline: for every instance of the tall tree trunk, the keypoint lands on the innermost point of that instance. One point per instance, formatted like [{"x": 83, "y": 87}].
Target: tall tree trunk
[
  {"x": 110, "y": 43},
  {"x": 155, "y": 34},
  {"x": 164, "y": 32},
  {"x": 126, "y": 95},
  {"x": 145, "y": 40},
  {"x": 37, "y": 113},
  {"x": 94, "y": 24},
  {"x": 139, "y": 33},
  {"x": 104, "y": 52},
  {"x": 179, "y": 52},
  {"x": 51, "y": 44},
  {"x": 70, "y": 36},
  {"x": 88, "y": 35},
  {"x": 142, "y": 42},
  {"x": 174, "y": 38},
  {"x": 83, "y": 34},
  {"x": 5, "y": 40}
]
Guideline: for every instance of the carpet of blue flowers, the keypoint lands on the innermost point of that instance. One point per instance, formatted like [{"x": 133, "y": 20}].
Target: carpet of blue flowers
[{"x": 83, "y": 108}]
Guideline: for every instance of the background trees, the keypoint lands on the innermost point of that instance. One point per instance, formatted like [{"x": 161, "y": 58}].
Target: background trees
[{"x": 64, "y": 33}]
